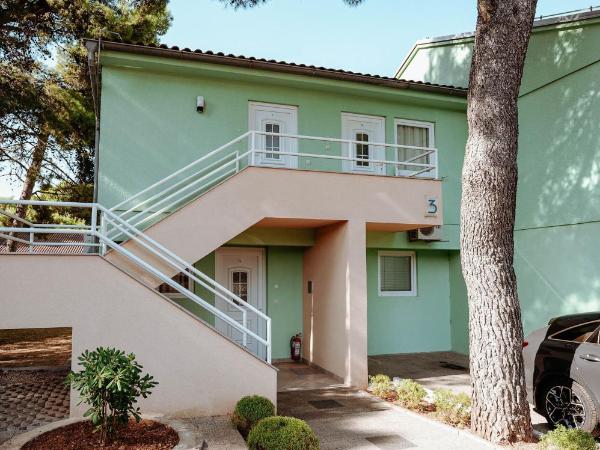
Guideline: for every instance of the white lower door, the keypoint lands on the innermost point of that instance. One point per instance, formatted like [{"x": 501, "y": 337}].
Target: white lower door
[
  {"x": 272, "y": 118},
  {"x": 367, "y": 129},
  {"x": 241, "y": 270}
]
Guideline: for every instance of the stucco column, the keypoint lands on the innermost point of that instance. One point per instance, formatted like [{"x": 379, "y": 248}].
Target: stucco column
[{"x": 335, "y": 312}]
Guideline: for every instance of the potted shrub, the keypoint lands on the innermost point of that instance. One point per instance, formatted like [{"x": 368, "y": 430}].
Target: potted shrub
[
  {"x": 249, "y": 410},
  {"x": 110, "y": 383},
  {"x": 278, "y": 433}
]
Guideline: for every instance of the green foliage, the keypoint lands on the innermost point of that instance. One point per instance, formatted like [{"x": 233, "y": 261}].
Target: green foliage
[
  {"x": 563, "y": 438},
  {"x": 45, "y": 93},
  {"x": 410, "y": 394},
  {"x": 110, "y": 383},
  {"x": 249, "y": 410},
  {"x": 282, "y": 433},
  {"x": 380, "y": 385},
  {"x": 452, "y": 408}
]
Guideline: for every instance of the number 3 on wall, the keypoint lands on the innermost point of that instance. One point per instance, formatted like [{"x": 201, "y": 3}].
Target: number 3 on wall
[{"x": 432, "y": 206}]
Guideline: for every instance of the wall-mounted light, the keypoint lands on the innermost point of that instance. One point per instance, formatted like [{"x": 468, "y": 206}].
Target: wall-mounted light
[{"x": 200, "y": 104}]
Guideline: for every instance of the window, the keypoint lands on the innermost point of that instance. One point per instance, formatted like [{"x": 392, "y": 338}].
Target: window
[
  {"x": 579, "y": 333},
  {"x": 171, "y": 292},
  {"x": 272, "y": 143},
  {"x": 397, "y": 274},
  {"x": 362, "y": 150},
  {"x": 239, "y": 283},
  {"x": 415, "y": 134}
]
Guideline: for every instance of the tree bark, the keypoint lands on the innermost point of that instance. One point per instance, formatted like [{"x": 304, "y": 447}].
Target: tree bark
[
  {"x": 31, "y": 177},
  {"x": 500, "y": 411}
]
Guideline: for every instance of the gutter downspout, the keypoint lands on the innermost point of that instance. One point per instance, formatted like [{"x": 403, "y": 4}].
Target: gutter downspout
[{"x": 93, "y": 57}]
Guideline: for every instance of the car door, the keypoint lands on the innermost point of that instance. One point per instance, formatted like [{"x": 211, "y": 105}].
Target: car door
[{"x": 586, "y": 364}]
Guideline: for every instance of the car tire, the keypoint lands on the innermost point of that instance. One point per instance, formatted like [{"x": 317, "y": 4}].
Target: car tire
[{"x": 565, "y": 402}]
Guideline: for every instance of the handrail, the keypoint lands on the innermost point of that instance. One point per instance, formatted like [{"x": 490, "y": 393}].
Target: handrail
[
  {"x": 156, "y": 249},
  {"x": 179, "y": 171}
]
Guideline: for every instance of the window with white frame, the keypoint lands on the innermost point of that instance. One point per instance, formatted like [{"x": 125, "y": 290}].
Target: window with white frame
[
  {"x": 418, "y": 137},
  {"x": 397, "y": 273},
  {"x": 272, "y": 143},
  {"x": 183, "y": 280},
  {"x": 362, "y": 150}
]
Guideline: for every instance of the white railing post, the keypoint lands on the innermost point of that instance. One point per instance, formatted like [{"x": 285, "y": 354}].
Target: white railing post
[
  {"x": 31, "y": 242},
  {"x": 252, "y": 147},
  {"x": 93, "y": 226},
  {"x": 102, "y": 233},
  {"x": 269, "y": 343}
]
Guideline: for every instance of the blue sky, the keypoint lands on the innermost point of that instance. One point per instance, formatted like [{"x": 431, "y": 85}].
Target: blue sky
[{"x": 371, "y": 38}]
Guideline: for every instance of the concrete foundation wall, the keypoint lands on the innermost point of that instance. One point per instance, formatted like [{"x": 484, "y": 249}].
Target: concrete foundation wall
[{"x": 199, "y": 371}]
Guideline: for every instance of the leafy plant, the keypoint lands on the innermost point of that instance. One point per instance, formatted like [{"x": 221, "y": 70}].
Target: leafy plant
[
  {"x": 110, "y": 383},
  {"x": 249, "y": 410},
  {"x": 410, "y": 394},
  {"x": 563, "y": 438},
  {"x": 452, "y": 408},
  {"x": 278, "y": 433},
  {"x": 380, "y": 385}
]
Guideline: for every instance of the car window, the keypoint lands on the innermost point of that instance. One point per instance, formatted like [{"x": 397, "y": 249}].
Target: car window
[{"x": 579, "y": 333}]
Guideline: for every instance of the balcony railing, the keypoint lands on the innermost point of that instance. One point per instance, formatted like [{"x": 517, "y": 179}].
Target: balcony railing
[{"x": 258, "y": 148}]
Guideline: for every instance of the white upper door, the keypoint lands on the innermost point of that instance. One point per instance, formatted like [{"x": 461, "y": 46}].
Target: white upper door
[
  {"x": 367, "y": 129},
  {"x": 278, "y": 119},
  {"x": 241, "y": 270}
]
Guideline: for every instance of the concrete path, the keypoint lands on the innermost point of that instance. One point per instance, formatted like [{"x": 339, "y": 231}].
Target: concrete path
[{"x": 345, "y": 418}]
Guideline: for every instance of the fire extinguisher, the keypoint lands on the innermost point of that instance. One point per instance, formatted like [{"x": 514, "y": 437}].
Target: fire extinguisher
[{"x": 296, "y": 347}]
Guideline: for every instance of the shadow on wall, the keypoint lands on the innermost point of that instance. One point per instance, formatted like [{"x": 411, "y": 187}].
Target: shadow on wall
[{"x": 558, "y": 209}]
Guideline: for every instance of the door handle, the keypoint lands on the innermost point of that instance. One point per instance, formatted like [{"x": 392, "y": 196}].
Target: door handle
[{"x": 592, "y": 358}]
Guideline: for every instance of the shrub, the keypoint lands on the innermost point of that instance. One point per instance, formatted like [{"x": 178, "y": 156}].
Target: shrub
[
  {"x": 249, "y": 410},
  {"x": 563, "y": 438},
  {"x": 110, "y": 383},
  {"x": 380, "y": 385},
  {"x": 279, "y": 433},
  {"x": 452, "y": 408},
  {"x": 410, "y": 394}
]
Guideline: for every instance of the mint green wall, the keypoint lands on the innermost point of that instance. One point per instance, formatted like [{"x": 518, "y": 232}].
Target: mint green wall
[
  {"x": 284, "y": 296},
  {"x": 553, "y": 52},
  {"x": 459, "y": 306},
  {"x": 150, "y": 128},
  {"x": 207, "y": 266},
  {"x": 411, "y": 324}
]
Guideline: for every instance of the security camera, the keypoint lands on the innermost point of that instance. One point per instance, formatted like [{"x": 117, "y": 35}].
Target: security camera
[{"x": 200, "y": 104}]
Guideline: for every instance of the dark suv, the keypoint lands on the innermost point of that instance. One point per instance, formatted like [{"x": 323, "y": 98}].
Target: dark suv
[{"x": 562, "y": 370}]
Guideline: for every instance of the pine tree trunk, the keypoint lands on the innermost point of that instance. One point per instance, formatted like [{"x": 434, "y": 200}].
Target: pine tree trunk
[
  {"x": 31, "y": 177},
  {"x": 500, "y": 411}
]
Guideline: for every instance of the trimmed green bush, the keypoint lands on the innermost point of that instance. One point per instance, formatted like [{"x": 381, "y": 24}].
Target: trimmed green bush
[
  {"x": 410, "y": 394},
  {"x": 563, "y": 438},
  {"x": 380, "y": 385},
  {"x": 249, "y": 410},
  {"x": 282, "y": 433},
  {"x": 452, "y": 408}
]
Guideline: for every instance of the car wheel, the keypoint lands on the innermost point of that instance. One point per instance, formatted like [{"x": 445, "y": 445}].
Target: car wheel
[{"x": 568, "y": 403}]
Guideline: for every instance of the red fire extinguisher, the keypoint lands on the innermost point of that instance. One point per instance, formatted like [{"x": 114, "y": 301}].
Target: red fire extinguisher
[{"x": 296, "y": 347}]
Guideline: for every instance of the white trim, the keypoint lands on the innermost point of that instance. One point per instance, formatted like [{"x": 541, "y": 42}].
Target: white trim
[
  {"x": 433, "y": 159},
  {"x": 377, "y": 152},
  {"x": 413, "y": 274},
  {"x": 291, "y": 145}
]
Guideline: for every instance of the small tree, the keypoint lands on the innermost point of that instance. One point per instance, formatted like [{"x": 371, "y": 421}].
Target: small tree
[{"x": 110, "y": 383}]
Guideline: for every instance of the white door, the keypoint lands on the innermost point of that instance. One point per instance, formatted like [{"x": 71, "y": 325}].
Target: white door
[
  {"x": 271, "y": 118},
  {"x": 241, "y": 270},
  {"x": 365, "y": 129}
]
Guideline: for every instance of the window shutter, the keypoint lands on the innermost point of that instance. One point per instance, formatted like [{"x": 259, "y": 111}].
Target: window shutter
[{"x": 395, "y": 273}]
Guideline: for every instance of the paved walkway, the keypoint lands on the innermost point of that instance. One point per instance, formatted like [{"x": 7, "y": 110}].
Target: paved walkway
[
  {"x": 31, "y": 398},
  {"x": 345, "y": 418}
]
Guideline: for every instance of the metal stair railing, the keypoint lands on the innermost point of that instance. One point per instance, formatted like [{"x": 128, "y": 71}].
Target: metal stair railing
[{"x": 95, "y": 231}]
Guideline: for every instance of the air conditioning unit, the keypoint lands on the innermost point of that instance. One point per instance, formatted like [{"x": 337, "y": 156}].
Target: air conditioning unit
[{"x": 426, "y": 234}]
